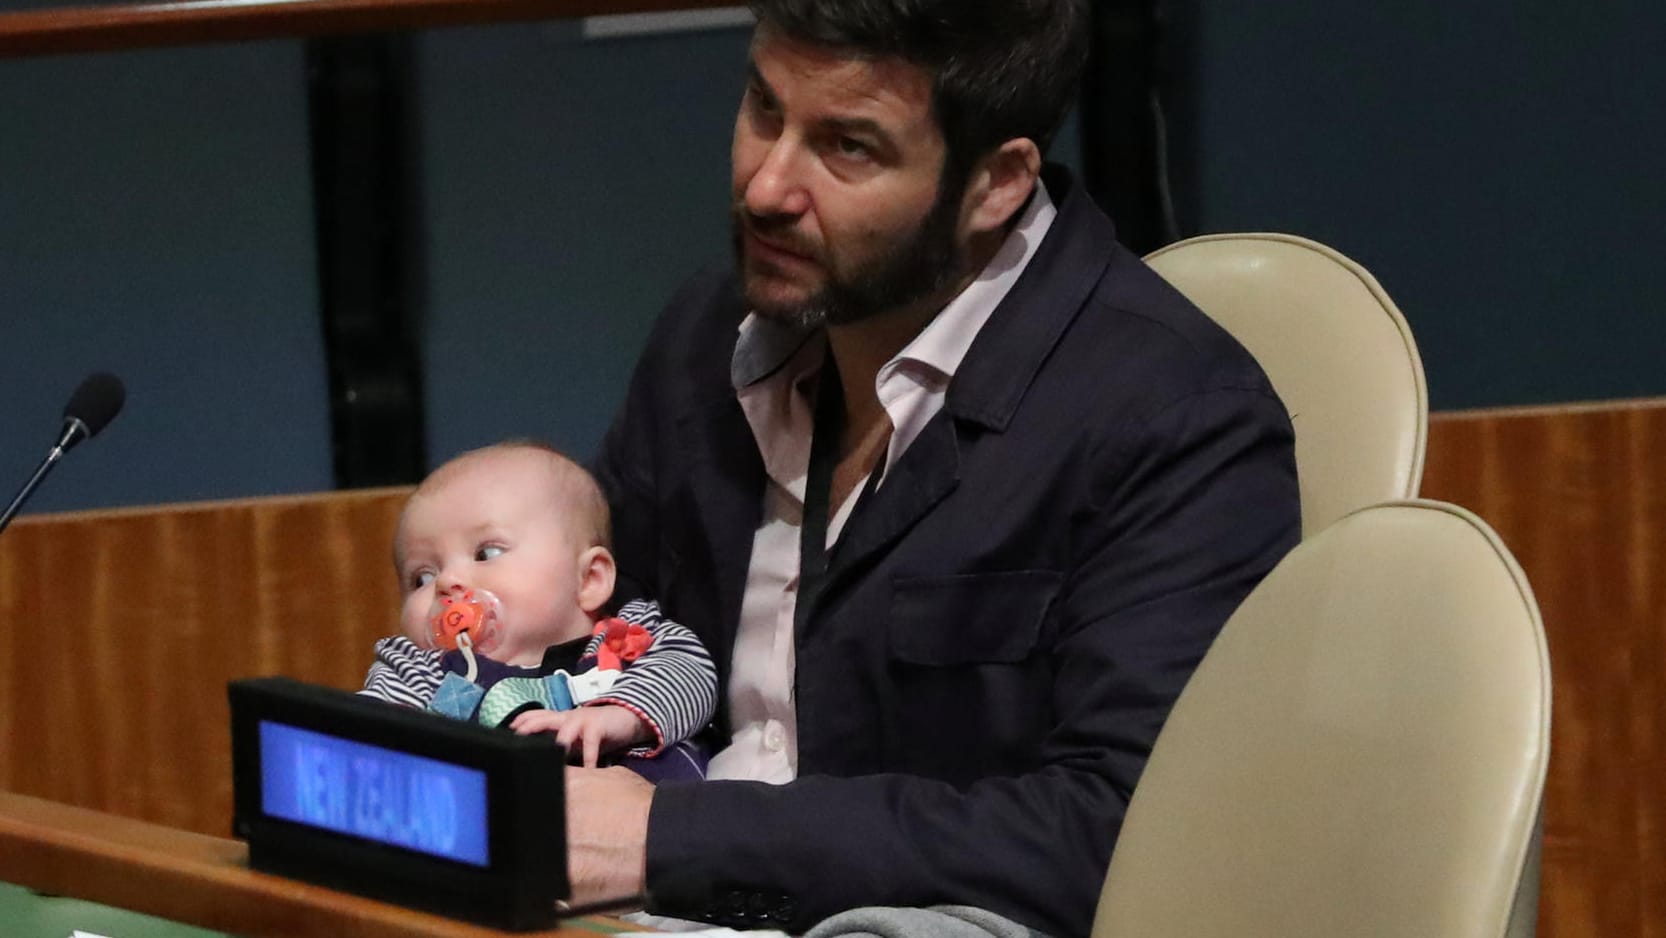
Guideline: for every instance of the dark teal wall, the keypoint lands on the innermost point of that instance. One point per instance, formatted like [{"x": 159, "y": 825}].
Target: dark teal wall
[
  {"x": 1495, "y": 163},
  {"x": 570, "y": 186},
  {"x": 155, "y": 220}
]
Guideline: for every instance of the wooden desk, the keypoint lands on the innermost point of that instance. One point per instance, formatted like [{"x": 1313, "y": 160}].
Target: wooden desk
[
  {"x": 201, "y": 880},
  {"x": 68, "y": 29}
]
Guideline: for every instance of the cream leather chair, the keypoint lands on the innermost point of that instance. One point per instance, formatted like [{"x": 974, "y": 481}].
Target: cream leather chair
[
  {"x": 1336, "y": 348},
  {"x": 1361, "y": 753}
]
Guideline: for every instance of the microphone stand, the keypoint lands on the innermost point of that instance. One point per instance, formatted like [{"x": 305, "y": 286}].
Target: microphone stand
[{"x": 74, "y": 432}]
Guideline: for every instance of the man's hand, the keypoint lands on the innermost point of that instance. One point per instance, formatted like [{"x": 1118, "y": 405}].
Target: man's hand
[
  {"x": 607, "y": 833},
  {"x": 594, "y": 728}
]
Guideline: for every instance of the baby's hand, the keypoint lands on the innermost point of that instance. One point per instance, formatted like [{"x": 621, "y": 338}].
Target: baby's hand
[{"x": 604, "y": 726}]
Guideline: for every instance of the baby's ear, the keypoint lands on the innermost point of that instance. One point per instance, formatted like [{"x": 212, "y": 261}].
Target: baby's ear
[{"x": 596, "y": 573}]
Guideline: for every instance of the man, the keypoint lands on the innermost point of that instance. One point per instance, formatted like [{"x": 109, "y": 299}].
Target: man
[{"x": 1044, "y": 480}]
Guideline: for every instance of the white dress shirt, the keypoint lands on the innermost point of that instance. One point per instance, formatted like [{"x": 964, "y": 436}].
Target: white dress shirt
[{"x": 774, "y": 372}]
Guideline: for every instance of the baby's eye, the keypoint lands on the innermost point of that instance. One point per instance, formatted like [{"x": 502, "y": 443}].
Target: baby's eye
[
  {"x": 487, "y": 552},
  {"x": 419, "y": 579}
]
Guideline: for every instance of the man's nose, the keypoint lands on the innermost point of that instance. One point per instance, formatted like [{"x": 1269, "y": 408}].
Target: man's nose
[{"x": 777, "y": 187}]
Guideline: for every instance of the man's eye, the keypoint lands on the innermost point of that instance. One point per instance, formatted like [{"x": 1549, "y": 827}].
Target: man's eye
[
  {"x": 420, "y": 579},
  {"x": 487, "y": 552},
  {"x": 853, "y": 149},
  {"x": 763, "y": 113},
  {"x": 760, "y": 99}
]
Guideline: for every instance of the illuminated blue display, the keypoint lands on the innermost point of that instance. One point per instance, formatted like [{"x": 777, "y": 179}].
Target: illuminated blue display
[{"x": 374, "y": 793}]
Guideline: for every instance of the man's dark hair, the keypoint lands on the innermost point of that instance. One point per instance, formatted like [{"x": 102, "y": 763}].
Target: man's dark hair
[{"x": 1001, "y": 68}]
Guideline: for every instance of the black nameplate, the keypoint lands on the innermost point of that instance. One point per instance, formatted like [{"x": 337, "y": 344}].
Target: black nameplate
[{"x": 409, "y": 807}]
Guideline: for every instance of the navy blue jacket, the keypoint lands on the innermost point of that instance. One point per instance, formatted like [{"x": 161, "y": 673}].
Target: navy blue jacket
[{"x": 1006, "y": 621}]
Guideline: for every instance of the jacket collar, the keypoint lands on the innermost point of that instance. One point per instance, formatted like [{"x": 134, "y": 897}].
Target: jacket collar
[{"x": 1008, "y": 352}]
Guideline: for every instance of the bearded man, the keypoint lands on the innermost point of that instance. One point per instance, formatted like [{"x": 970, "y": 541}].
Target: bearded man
[{"x": 955, "y": 489}]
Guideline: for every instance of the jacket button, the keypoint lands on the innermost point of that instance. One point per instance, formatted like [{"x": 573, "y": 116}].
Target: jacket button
[
  {"x": 734, "y": 903},
  {"x": 762, "y": 908}
]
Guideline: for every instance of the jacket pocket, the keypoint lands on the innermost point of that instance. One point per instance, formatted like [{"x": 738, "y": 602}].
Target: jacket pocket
[
  {"x": 970, "y": 688},
  {"x": 993, "y": 618}
]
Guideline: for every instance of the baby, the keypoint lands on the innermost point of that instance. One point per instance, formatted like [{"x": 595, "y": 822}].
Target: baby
[{"x": 502, "y": 555}]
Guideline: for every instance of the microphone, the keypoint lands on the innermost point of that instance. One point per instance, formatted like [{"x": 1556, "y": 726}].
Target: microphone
[{"x": 90, "y": 409}]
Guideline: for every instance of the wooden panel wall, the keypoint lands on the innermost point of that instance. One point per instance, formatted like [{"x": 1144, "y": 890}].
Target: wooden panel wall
[
  {"x": 120, "y": 629},
  {"x": 1579, "y": 496}
]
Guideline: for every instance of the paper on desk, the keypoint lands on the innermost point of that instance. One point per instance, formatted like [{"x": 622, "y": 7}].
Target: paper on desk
[
  {"x": 731, "y": 933},
  {"x": 688, "y": 929}
]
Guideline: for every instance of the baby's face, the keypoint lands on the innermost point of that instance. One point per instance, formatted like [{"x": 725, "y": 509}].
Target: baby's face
[{"x": 492, "y": 524}]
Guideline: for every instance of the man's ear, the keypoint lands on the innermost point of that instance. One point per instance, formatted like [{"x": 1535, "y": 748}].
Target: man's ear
[
  {"x": 596, "y": 573},
  {"x": 1000, "y": 184}
]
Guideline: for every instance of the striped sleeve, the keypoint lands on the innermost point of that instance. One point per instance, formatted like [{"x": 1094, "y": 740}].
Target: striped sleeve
[
  {"x": 403, "y": 673},
  {"x": 672, "y": 686}
]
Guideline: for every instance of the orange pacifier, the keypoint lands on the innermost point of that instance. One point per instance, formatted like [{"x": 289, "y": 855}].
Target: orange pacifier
[{"x": 471, "y": 613}]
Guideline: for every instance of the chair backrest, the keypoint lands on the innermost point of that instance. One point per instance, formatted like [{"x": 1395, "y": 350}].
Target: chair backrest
[
  {"x": 1337, "y": 350},
  {"x": 1361, "y": 752}
]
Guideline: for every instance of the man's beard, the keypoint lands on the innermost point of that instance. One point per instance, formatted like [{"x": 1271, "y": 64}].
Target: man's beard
[{"x": 916, "y": 265}]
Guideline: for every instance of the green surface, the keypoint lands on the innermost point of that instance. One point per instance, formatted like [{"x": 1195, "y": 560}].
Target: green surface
[
  {"x": 599, "y": 925},
  {"x": 25, "y": 913}
]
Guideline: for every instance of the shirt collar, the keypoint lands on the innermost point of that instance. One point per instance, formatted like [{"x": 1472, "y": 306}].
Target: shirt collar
[
  {"x": 942, "y": 345},
  {"x": 763, "y": 347}
]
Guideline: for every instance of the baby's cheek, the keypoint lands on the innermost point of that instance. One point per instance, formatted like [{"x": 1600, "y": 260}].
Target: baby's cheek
[{"x": 413, "y": 621}]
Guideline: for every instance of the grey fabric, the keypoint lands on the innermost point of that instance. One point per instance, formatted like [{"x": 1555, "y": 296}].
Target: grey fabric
[{"x": 938, "y": 921}]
